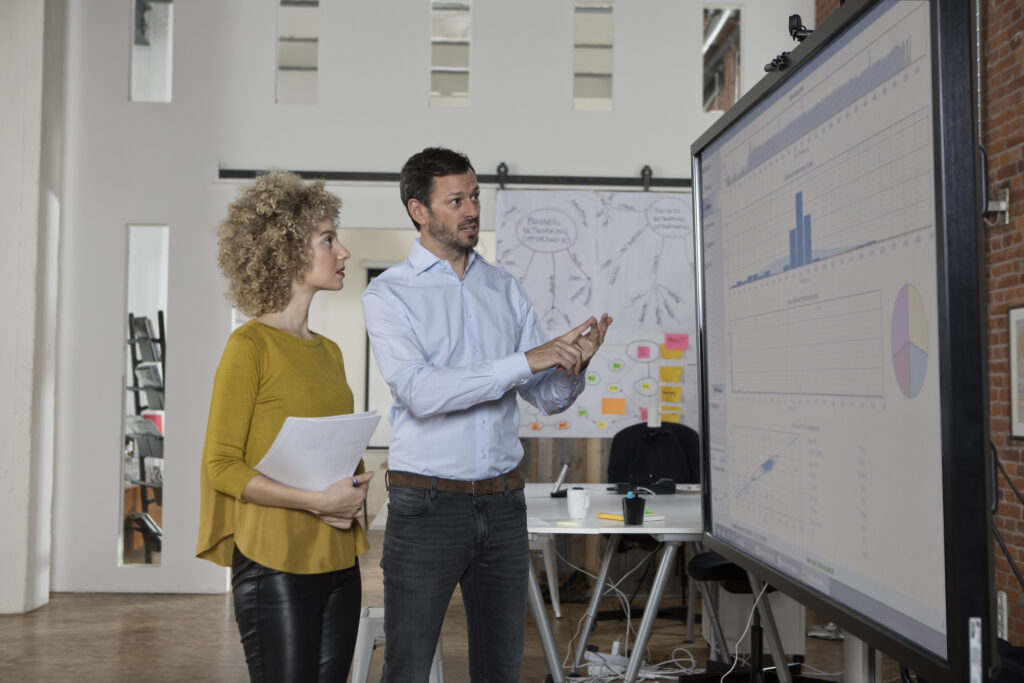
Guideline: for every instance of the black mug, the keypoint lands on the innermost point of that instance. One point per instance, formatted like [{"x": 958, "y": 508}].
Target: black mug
[{"x": 633, "y": 510}]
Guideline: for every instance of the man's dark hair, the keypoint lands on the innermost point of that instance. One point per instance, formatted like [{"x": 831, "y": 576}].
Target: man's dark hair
[{"x": 417, "y": 178}]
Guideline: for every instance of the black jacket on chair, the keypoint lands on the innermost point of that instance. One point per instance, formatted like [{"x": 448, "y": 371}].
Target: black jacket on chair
[{"x": 641, "y": 454}]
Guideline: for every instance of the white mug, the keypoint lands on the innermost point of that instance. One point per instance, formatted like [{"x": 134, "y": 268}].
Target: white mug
[{"x": 579, "y": 501}]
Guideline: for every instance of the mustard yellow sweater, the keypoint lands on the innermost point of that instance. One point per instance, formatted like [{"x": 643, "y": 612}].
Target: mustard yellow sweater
[{"x": 266, "y": 375}]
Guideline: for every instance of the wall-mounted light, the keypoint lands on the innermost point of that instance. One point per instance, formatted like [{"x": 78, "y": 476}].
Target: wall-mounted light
[{"x": 998, "y": 207}]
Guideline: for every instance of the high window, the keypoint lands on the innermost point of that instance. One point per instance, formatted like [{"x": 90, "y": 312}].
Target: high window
[
  {"x": 593, "y": 38},
  {"x": 450, "y": 25}
]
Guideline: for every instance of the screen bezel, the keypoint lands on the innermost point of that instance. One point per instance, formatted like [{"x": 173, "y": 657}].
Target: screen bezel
[{"x": 966, "y": 467}]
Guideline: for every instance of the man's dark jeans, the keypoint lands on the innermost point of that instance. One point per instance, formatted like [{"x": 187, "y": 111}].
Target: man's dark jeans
[{"x": 434, "y": 540}]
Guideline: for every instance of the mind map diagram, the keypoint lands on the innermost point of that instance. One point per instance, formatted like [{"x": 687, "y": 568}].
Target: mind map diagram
[{"x": 630, "y": 254}]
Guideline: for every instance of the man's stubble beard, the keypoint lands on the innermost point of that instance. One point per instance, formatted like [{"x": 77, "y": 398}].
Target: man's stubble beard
[{"x": 452, "y": 240}]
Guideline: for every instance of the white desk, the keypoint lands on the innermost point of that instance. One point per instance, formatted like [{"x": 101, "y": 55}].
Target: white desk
[{"x": 682, "y": 524}]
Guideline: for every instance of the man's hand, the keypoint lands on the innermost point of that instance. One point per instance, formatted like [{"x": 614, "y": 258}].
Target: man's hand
[
  {"x": 590, "y": 341},
  {"x": 573, "y": 350}
]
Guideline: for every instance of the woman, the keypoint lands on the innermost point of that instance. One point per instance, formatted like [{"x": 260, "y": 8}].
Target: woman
[{"x": 292, "y": 553}]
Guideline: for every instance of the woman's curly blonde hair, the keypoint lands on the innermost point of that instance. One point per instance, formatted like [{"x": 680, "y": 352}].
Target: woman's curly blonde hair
[{"x": 263, "y": 244}]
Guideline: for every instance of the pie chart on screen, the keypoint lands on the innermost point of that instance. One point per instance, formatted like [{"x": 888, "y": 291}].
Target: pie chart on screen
[{"x": 909, "y": 341}]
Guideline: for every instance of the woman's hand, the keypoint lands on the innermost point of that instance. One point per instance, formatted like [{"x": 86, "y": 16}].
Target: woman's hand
[
  {"x": 342, "y": 501},
  {"x": 336, "y": 506}
]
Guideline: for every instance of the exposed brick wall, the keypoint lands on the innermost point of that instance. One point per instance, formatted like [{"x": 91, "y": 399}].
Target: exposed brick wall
[
  {"x": 1002, "y": 46},
  {"x": 1003, "y": 137},
  {"x": 823, "y": 8}
]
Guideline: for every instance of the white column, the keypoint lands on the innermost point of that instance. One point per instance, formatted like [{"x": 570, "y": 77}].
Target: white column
[{"x": 24, "y": 565}]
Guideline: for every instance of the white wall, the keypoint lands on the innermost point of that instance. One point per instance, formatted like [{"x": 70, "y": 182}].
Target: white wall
[{"x": 157, "y": 163}]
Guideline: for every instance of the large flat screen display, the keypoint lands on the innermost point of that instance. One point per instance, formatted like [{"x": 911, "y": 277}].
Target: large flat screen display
[{"x": 826, "y": 329}]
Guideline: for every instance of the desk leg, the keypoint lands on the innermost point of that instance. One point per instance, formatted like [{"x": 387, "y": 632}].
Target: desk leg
[
  {"x": 691, "y": 608},
  {"x": 595, "y": 603},
  {"x": 547, "y": 543},
  {"x": 643, "y": 634},
  {"x": 547, "y": 638}
]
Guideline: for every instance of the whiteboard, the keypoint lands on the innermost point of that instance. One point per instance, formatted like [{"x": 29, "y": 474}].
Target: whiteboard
[{"x": 581, "y": 253}]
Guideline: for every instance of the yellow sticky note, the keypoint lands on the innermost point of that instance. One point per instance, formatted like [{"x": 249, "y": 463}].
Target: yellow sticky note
[
  {"x": 671, "y": 417},
  {"x": 671, "y": 394},
  {"x": 613, "y": 406},
  {"x": 671, "y": 354},
  {"x": 671, "y": 373}
]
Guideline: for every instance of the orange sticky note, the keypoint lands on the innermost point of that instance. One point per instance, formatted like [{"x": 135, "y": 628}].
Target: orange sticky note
[
  {"x": 613, "y": 406},
  {"x": 677, "y": 342}
]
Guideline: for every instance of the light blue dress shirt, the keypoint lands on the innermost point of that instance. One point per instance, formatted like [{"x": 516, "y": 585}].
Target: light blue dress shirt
[{"x": 453, "y": 353}]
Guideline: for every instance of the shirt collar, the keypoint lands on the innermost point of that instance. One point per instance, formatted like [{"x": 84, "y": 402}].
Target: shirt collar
[{"x": 421, "y": 259}]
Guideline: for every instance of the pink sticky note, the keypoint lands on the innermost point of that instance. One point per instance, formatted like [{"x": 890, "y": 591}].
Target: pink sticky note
[
  {"x": 643, "y": 352},
  {"x": 643, "y": 414},
  {"x": 677, "y": 342}
]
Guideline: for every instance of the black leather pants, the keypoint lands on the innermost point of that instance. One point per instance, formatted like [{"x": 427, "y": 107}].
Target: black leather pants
[{"x": 296, "y": 627}]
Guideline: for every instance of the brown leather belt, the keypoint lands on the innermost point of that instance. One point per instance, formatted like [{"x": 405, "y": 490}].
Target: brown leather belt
[{"x": 511, "y": 481}]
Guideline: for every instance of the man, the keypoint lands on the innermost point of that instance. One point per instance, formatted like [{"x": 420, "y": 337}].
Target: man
[{"x": 456, "y": 339}]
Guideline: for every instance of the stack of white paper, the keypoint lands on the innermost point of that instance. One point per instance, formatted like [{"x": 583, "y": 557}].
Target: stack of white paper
[{"x": 312, "y": 453}]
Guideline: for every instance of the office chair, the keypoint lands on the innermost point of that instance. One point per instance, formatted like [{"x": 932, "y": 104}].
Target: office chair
[
  {"x": 645, "y": 452},
  {"x": 642, "y": 454},
  {"x": 709, "y": 570}
]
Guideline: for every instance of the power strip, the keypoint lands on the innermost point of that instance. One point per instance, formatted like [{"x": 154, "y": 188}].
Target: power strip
[{"x": 602, "y": 664}]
